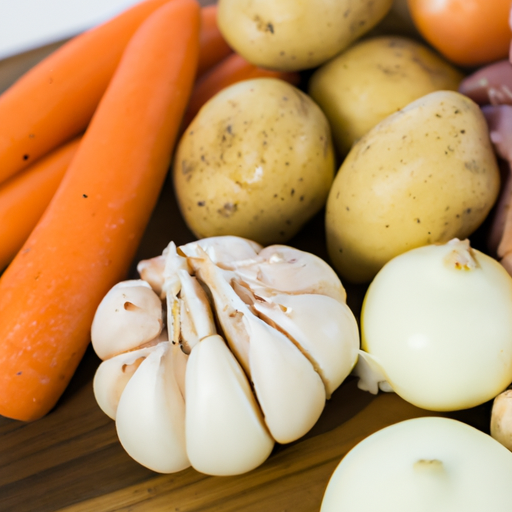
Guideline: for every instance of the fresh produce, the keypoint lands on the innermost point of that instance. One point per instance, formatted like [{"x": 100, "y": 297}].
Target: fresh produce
[
  {"x": 436, "y": 328},
  {"x": 87, "y": 237},
  {"x": 372, "y": 80},
  {"x": 24, "y": 197},
  {"x": 293, "y": 35},
  {"x": 490, "y": 85},
  {"x": 55, "y": 100},
  {"x": 423, "y": 464},
  {"x": 257, "y": 161},
  {"x": 426, "y": 174},
  {"x": 183, "y": 393},
  {"x": 501, "y": 418},
  {"x": 499, "y": 120},
  {"x": 467, "y": 32},
  {"x": 491, "y": 88},
  {"x": 229, "y": 71},
  {"x": 213, "y": 48}
]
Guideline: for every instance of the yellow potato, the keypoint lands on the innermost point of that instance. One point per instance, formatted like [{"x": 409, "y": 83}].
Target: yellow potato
[
  {"x": 425, "y": 174},
  {"x": 294, "y": 35},
  {"x": 257, "y": 162},
  {"x": 373, "y": 79}
]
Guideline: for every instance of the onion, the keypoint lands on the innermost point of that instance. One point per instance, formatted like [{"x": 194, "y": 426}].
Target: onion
[
  {"x": 423, "y": 465},
  {"x": 436, "y": 328}
]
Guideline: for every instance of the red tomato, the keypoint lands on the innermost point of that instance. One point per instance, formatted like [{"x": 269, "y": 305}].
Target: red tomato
[{"x": 467, "y": 32}]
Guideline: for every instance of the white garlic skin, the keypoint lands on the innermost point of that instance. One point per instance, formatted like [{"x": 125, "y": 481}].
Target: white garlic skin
[
  {"x": 426, "y": 464},
  {"x": 438, "y": 319}
]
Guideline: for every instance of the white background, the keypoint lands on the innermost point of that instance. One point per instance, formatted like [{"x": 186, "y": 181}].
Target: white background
[{"x": 27, "y": 24}]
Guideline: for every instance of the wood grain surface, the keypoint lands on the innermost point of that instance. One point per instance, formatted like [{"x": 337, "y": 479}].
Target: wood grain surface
[{"x": 72, "y": 461}]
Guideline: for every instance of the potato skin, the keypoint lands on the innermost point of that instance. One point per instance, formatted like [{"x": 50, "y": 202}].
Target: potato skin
[
  {"x": 373, "y": 79},
  {"x": 293, "y": 35},
  {"x": 424, "y": 175},
  {"x": 257, "y": 162}
]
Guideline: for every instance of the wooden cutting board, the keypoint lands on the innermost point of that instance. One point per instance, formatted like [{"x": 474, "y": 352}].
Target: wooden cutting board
[{"x": 72, "y": 461}]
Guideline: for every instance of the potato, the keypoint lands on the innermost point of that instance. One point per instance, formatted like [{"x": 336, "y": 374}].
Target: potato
[
  {"x": 373, "y": 79},
  {"x": 425, "y": 174},
  {"x": 293, "y": 35},
  {"x": 257, "y": 161}
]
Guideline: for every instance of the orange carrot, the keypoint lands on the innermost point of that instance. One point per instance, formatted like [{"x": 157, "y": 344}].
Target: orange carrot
[
  {"x": 24, "y": 197},
  {"x": 232, "y": 69},
  {"x": 55, "y": 100},
  {"x": 213, "y": 45},
  {"x": 88, "y": 235}
]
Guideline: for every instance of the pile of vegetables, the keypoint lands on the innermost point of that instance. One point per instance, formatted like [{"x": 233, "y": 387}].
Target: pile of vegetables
[
  {"x": 266, "y": 114},
  {"x": 101, "y": 165}
]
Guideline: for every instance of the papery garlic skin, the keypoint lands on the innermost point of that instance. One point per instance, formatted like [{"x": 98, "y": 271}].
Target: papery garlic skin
[
  {"x": 283, "y": 269},
  {"x": 223, "y": 250},
  {"x": 225, "y": 431},
  {"x": 129, "y": 316},
  {"x": 438, "y": 321},
  {"x": 423, "y": 465}
]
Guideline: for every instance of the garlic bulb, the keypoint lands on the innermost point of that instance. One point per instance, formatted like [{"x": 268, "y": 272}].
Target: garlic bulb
[
  {"x": 220, "y": 350},
  {"x": 436, "y": 328},
  {"x": 423, "y": 465}
]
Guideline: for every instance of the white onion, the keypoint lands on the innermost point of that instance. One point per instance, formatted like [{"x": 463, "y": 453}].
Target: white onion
[
  {"x": 437, "y": 323},
  {"x": 423, "y": 465}
]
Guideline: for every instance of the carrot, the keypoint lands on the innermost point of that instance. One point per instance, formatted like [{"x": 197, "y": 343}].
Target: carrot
[
  {"x": 230, "y": 70},
  {"x": 24, "y": 197},
  {"x": 88, "y": 235},
  {"x": 55, "y": 100},
  {"x": 213, "y": 45}
]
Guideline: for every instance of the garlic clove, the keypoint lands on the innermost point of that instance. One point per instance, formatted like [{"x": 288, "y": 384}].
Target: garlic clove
[
  {"x": 290, "y": 392},
  {"x": 150, "y": 418},
  {"x": 223, "y": 250},
  {"x": 171, "y": 288},
  {"x": 179, "y": 361},
  {"x": 196, "y": 317},
  {"x": 229, "y": 307},
  {"x": 324, "y": 329},
  {"x": 280, "y": 268},
  {"x": 173, "y": 263},
  {"x": 111, "y": 378},
  {"x": 225, "y": 433},
  {"x": 130, "y": 315},
  {"x": 152, "y": 271}
]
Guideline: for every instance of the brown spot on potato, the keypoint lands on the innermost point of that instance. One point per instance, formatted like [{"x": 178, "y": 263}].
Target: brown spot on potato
[{"x": 228, "y": 209}]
